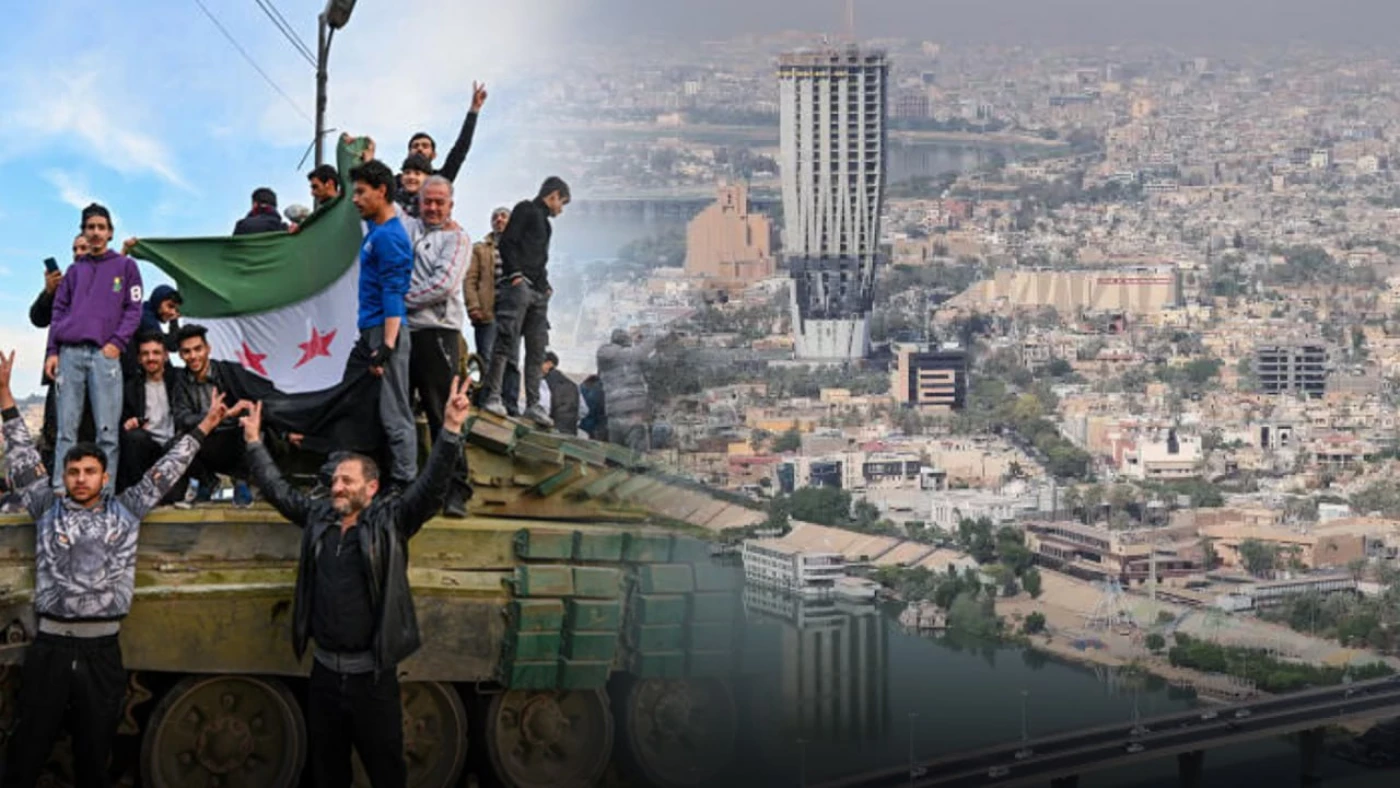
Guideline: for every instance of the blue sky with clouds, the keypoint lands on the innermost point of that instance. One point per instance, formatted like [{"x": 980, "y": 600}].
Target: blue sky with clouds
[{"x": 145, "y": 107}]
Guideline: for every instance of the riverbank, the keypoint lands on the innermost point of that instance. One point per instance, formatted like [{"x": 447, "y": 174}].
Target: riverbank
[{"x": 1069, "y": 605}]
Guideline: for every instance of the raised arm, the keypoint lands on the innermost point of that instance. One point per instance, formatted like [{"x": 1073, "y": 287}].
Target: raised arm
[
  {"x": 424, "y": 497},
  {"x": 293, "y": 505},
  {"x": 143, "y": 496},
  {"x": 26, "y": 469},
  {"x": 458, "y": 155}
]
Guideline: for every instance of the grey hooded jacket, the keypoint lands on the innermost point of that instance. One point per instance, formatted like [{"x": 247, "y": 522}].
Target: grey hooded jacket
[{"x": 85, "y": 559}]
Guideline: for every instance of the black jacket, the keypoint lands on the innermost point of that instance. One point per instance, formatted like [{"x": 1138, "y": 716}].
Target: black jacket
[
  {"x": 563, "y": 402},
  {"x": 265, "y": 220},
  {"x": 186, "y": 407},
  {"x": 524, "y": 246},
  {"x": 41, "y": 311},
  {"x": 40, "y": 315},
  {"x": 134, "y": 396},
  {"x": 384, "y": 528}
]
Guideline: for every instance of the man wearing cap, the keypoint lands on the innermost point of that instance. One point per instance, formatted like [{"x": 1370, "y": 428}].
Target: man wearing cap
[
  {"x": 263, "y": 217},
  {"x": 96, "y": 310},
  {"x": 412, "y": 175}
]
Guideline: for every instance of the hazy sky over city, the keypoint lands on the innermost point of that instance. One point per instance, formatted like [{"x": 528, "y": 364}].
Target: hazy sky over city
[{"x": 1180, "y": 22}]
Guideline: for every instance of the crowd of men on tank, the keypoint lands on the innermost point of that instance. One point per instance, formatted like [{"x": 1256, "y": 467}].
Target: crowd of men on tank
[{"x": 126, "y": 430}]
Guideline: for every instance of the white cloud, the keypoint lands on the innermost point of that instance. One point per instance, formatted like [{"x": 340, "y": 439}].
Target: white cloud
[
  {"x": 73, "y": 106},
  {"x": 71, "y": 189},
  {"x": 74, "y": 191}
]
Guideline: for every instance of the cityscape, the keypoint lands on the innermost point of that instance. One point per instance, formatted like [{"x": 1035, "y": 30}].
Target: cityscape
[
  {"x": 1121, "y": 363},
  {"x": 1013, "y": 413}
]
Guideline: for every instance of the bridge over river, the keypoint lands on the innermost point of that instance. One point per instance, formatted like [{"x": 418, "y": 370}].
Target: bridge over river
[{"x": 1058, "y": 760}]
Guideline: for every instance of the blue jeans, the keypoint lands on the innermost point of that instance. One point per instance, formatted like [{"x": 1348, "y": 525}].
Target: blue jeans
[{"x": 85, "y": 375}]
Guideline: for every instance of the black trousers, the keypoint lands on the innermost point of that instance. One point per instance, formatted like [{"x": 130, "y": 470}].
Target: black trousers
[
  {"x": 222, "y": 452},
  {"x": 432, "y": 363},
  {"x": 345, "y": 710},
  {"x": 139, "y": 451},
  {"x": 73, "y": 683}
]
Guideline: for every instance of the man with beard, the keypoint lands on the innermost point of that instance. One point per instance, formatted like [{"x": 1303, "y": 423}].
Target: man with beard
[
  {"x": 352, "y": 597},
  {"x": 148, "y": 422}
]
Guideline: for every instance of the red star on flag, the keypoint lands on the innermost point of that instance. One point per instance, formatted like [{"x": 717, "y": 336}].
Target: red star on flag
[
  {"x": 318, "y": 345},
  {"x": 252, "y": 360}
]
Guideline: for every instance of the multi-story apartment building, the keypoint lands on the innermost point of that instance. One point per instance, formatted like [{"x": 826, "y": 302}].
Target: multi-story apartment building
[{"x": 1292, "y": 367}]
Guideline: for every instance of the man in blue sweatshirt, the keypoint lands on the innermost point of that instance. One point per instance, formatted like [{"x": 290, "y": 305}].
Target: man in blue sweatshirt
[
  {"x": 386, "y": 268},
  {"x": 95, "y": 314}
]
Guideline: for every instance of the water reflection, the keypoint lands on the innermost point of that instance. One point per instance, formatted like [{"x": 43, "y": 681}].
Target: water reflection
[
  {"x": 827, "y": 689},
  {"x": 832, "y": 683}
]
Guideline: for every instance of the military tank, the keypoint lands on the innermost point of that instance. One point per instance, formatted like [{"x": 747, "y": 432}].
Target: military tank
[{"x": 571, "y": 618}]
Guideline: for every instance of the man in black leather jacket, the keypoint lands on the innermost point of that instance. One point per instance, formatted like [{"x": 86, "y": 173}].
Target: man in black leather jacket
[{"x": 352, "y": 597}]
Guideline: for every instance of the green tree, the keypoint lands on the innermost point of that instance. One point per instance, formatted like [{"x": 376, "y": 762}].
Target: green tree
[
  {"x": 1260, "y": 558},
  {"x": 1034, "y": 623},
  {"x": 821, "y": 505},
  {"x": 1155, "y": 642},
  {"x": 1031, "y": 581},
  {"x": 789, "y": 440}
]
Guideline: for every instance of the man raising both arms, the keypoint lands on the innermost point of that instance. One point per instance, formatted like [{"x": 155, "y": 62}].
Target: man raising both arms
[
  {"x": 84, "y": 577},
  {"x": 352, "y": 597}
]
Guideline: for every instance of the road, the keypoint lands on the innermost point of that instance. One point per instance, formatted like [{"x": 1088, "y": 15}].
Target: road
[{"x": 1080, "y": 752}]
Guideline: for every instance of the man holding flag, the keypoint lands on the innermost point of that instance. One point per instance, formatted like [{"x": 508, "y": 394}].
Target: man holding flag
[{"x": 285, "y": 310}]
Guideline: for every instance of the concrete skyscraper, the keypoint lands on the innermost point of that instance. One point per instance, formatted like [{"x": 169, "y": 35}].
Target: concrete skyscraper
[{"x": 833, "y": 104}]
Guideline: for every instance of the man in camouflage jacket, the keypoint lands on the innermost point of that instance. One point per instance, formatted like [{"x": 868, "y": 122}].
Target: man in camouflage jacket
[{"x": 84, "y": 578}]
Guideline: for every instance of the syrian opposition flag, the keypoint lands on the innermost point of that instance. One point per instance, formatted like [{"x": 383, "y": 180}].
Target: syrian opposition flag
[{"x": 282, "y": 307}]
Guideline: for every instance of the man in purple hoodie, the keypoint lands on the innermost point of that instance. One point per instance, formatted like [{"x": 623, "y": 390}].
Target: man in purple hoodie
[{"x": 95, "y": 313}]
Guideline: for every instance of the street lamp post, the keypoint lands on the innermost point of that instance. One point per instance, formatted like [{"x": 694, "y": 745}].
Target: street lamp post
[{"x": 336, "y": 15}]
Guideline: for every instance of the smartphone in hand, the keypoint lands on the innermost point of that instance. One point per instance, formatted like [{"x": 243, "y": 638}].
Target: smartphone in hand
[{"x": 51, "y": 265}]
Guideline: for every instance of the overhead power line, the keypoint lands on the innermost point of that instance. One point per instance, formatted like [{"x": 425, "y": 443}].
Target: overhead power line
[
  {"x": 285, "y": 28},
  {"x": 271, "y": 83}
]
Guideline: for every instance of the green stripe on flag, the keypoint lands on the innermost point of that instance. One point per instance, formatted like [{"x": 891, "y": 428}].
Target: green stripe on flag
[{"x": 248, "y": 274}]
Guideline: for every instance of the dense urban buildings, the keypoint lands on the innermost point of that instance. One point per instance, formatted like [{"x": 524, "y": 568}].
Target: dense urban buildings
[{"x": 833, "y": 103}]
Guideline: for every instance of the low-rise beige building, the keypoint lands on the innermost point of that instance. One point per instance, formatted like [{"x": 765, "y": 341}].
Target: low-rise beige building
[{"x": 726, "y": 245}]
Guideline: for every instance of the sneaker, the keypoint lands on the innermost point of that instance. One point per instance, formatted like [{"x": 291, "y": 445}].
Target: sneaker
[
  {"x": 538, "y": 415},
  {"x": 495, "y": 406}
]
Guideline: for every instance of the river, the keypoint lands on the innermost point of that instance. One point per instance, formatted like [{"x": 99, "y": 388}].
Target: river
[
  {"x": 844, "y": 681},
  {"x": 586, "y": 234}
]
